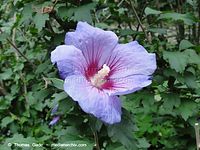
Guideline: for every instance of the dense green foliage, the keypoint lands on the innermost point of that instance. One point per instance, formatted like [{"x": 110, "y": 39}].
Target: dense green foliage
[{"x": 161, "y": 116}]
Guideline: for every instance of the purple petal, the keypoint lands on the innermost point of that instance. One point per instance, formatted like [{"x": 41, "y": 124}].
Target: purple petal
[
  {"x": 54, "y": 110},
  {"x": 128, "y": 84},
  {"x": 69, "y": 60},
  {"x": 92, "y": 100},
  {"x": 96, "y": 44},
  {"x": 54, "y": 121},
  {"x": 131, "y": 59}
]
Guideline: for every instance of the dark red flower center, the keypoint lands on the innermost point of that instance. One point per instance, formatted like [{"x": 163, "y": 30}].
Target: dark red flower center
[{"x": 99, "y": 77}]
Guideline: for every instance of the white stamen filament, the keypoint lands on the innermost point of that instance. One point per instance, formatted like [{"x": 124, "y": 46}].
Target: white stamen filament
[{"x": 99, "y": 78}]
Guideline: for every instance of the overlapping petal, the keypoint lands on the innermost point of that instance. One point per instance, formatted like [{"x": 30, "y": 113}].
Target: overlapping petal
[
  {"x": 92, "y": 100},
  {"x": 126, "y": 85},
  {"x": 96, "y": 44},
  {"x": 80, "y": 63},
  {"x": 131, "y": 66},
  {"x": 69, "y": 60},
  {"x": 131, "y": 59}
]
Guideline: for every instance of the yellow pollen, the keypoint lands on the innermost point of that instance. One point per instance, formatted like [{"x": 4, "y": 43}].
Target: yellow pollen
[{"x": 99, "y": 78}]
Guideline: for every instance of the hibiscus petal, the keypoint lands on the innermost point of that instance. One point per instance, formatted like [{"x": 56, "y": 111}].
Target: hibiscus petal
[
  {"x": 54, "y": 110},
  {"x": 69, "y": 60},
  {"x": 131, "y": 59},
  {"x": 96, "y": 44},
  {"x": 128, "y": 84},
  {"x": 55, "y": 120},
  {"x": 92, "y": 100}
]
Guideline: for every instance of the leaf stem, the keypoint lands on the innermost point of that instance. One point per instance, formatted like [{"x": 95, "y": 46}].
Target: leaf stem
[
  {"x": 197, "y": 135},
  {"x": 2, "y": 89},
  {"x": 139, "y": 21},
  {"x": 19, "y": 52},
  {"x": 96, "y": 140}
]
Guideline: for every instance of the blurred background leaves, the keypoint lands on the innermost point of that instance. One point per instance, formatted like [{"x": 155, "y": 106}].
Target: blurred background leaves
[{"x": 161, "y": 116}]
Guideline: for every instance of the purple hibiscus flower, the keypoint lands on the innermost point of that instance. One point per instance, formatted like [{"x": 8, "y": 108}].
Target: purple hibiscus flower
[{"x": 97, "y": 69}]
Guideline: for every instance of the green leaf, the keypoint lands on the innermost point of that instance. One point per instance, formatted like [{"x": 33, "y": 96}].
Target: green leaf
[
  {"x": 186, "y": 18},
  {"x": 65, "y": 106},
  {"x": 6, "y": 74},
  {"x": 184, "y": 44},
  {"x": 59, "y": 96},
  {"x": 131, "y": 102},
  {"x": 102, "y": 25},
  {"x": 193, "y": 57},
  {"x": 43, "y": 67},
  {"x": 158, "y": 30},
  {"x": 147, "y": 101},
  {"x": 58, "y": 83},
  {"x": 123, "y": 132},
  {"x": 187, "y": 109},
  {"x": 18, "y": 67},
  {"x": 3, "y": 36},
  {"x": 5, "y": 121},
  {"x": 177, "y": 60},
  {"x": 39, "y": 20},
  {"x": 64, "y": 12},
  {"x": 30, "y": 99},
  {"x": 115, "y": 146},
  {"x": 170, "y": 101},
  {"x": 42, "y": 94},
  {"x": 71, "y": 135},
  {"x": 150, "y": 11},
  {"x": 143, "y": 143},
  {"x": 27, "y": 12},
  {"x": 83, "y": 13},
  {"x": 35, "y": 99},
  {"x": 190, "y": 80}
]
